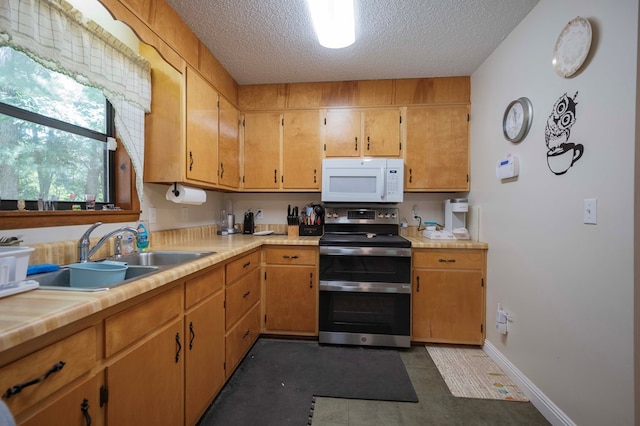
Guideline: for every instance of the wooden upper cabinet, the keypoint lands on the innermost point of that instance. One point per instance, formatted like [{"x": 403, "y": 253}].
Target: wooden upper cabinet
[
  {"x": 437, "y": 151},
  {"x": 362, "y": 133},
  {"x": 301, "y": 156},
  {"x": 342, "y": 133},
  {"x": 202, "y": 129},
  {"x": 381, "y": 132},
  {"x": 228, "y": 145},
  {"x": 262, "y": 135},
  {"x": 164, "y": 127}
]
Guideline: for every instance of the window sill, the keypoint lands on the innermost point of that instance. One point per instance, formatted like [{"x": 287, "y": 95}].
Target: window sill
[{"x": 42, "y": 219}]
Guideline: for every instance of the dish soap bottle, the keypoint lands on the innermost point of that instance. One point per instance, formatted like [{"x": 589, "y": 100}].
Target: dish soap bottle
[{"x": 142, "y": 239}]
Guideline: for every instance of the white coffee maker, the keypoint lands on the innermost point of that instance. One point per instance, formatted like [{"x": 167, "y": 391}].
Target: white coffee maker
[{"x": 455, "y": 216}]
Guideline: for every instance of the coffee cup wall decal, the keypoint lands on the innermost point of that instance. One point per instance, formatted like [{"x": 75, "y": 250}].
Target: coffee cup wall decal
[{"x": 562, "y": 154}]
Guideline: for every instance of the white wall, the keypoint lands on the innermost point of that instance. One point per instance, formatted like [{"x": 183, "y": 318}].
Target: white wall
[{"x": 569, "y": 286}]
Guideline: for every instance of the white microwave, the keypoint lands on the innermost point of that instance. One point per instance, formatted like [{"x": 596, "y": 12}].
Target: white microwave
[{"x": 363, "y": 180}]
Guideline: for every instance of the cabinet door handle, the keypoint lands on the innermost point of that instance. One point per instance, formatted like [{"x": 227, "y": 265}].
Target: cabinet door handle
[
  {"x": 18, "y": 388},
  {"x": 286, "y": 256},
  {"x": 178, "y": 346},
  {"x": 447, "y": 260},
  {"x": 311, "y": 280},
  {"x": 418, "y": 286},
  {"x": 244, "y": 296},
  {"x": 221, "y": 170},
  {"x": 410, "y": 175},
  {"x": 275, "y": 175},
  {"x": 356, "y": 147},
  {"x": 193, "y": 335},
  {"x": 315, "y": 175},
  {"x": 84, "y": 407},
  {"x": 244, "y": 336},
  {"x": 190, "y": 160},
  {"x": 368, "y": 142},
  {"x": 246, "y": 264}
]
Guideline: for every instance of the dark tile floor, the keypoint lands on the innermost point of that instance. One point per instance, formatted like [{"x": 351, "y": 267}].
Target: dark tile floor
[{"x": 436, "y": 405}]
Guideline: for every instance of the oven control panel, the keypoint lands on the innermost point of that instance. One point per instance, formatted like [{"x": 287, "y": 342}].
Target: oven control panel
[{"x": 374, "y": 215}]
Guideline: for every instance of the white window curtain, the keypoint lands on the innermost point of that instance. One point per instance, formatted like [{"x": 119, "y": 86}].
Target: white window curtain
[{"x": 56, "y": 35}]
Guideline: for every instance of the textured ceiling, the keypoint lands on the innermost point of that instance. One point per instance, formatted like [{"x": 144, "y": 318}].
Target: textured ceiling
[{"x": 272, "y": 41}]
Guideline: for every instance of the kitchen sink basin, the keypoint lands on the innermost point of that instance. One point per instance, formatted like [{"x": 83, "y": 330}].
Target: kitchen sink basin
[
  {"x": 161, "y": 258},
  {"x": 61, "y": 279}
]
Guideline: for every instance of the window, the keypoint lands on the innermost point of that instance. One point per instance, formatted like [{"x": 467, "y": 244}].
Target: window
[{"x": 53, "y": 136}]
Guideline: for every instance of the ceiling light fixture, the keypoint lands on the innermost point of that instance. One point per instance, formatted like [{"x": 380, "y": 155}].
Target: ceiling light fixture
[{"x": 334, "y": 22}]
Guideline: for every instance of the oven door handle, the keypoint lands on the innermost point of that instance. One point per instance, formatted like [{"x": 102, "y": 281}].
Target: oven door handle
[
  {"x": 364, "y": 251},
  {"x": 363, "y": 287}
]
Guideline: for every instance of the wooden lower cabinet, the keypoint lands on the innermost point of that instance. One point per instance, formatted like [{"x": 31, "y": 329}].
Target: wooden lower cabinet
[
  {"x": 448, "y": 300},
  {"x": 78, "y": 407},
  {"x": 242, "y": 308},
  {"x": 291, "y": 290},
  {"x": 204, "y": 343}
]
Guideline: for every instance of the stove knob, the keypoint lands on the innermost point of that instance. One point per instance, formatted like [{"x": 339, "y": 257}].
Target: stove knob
[
  {"x": 380, "y": 215},
  {"x": 393, "y": 215},
  {"x": 335, "y": 215},
  {"x": 387, "y": 215}
]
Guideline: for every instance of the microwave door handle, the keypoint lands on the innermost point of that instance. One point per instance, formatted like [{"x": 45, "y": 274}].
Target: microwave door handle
[{"x": 383, "y": 183}]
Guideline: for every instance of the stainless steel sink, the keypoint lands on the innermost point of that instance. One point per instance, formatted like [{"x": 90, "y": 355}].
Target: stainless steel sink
[
  {"x": 161, "y": 258},
  {"x": 61, "y": 279}
]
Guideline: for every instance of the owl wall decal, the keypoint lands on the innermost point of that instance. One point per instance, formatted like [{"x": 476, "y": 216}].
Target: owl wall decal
[{"x": 562, "y": 154}]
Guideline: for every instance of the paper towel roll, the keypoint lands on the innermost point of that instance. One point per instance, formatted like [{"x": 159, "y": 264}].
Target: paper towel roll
[{"x": 186, "y": 195}]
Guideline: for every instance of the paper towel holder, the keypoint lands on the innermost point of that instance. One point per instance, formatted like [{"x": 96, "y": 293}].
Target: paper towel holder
[{"x": 175, "y": 189}]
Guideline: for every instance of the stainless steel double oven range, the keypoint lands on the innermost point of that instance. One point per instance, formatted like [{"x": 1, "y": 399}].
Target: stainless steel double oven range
[{"x": 365, "y": 278}]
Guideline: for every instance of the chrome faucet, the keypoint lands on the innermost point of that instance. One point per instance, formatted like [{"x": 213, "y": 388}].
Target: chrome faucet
[{"x": 85, "y": 251}]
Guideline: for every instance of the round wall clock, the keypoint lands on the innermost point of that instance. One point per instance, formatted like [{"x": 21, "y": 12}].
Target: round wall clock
[
  {"x": 572, "y": 47},
  {"x": 517, "y": 119}
]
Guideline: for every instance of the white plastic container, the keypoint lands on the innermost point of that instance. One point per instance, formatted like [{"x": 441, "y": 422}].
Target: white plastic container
[{"x": 13, "y": 263}]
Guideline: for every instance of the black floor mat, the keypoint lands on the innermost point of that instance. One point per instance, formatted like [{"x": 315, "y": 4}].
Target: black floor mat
[{"x": 275, "y": 383}]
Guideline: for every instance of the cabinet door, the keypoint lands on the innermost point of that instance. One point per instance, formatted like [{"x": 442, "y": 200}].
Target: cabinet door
[
  {"x": 301, "y": 159},
  {"x": 228, "y": 145},
  {"x": 202, "y": 129},
  {"x": 164, "y": 148},
  {"x": 262, "y": 150},
  {"x": 204, "y": 356},
  {"x": 79, "y": 407},
  {"x": 291, "y": 299},
  {"x": 146, "y": 386},
  {"x": 342, "y": 133},
  {"x": 381, "y": 132},
  {"x": 437, "y": 149},
  {"x": 448, "y": 306}
]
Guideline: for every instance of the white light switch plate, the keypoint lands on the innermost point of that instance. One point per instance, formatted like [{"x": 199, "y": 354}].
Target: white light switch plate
[{"x": 590, "y": 211}]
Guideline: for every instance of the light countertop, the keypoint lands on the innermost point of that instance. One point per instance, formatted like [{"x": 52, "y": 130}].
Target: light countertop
[{"x": 32, "y": 314}]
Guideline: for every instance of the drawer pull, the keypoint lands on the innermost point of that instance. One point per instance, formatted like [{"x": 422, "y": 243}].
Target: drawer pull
[
  {"x": 290, "y": 257},
  {"x": 18, "y": 388},
  {"x": 84, "y": 407},
  {"x": 244, "y": 296},
  {"x": 246, "y": 264},
  {"x": 418, "y": 287},
  {"x": 246, "y": 334},
  {"x": 447, "y": 260},
  {"x": 193, "y": 335},
  {"x": 179, "y": 347}
]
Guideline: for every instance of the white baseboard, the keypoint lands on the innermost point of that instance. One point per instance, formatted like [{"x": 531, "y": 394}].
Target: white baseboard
[{"x": 549, "y": 410}]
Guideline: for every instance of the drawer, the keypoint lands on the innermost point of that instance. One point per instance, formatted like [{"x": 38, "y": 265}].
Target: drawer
[
  {"x": 240, "y": 338},
  {"x": 242, "y": 266},
  {"x": 291, "y": 255},
  {"x": 128, "y": 326},
  {"x": 448, "y": 259},
  {"x": 241, "y": 296},
  {"x": 203, "y": 286},
  {"x": 78, "y": 352}
]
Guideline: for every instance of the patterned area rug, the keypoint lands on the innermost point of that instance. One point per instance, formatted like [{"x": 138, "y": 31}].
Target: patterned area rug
[{"x": 470, "y": 373}]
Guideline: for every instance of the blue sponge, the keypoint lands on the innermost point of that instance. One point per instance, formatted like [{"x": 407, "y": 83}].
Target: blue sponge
[{"x": 39, "y": 269}]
